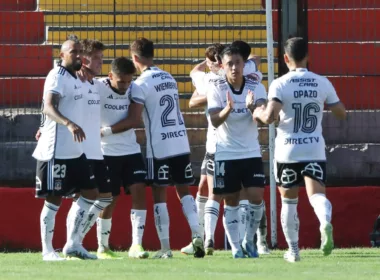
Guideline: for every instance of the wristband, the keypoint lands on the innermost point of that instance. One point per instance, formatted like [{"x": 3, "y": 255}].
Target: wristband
[{"x": 106, "y": 131}]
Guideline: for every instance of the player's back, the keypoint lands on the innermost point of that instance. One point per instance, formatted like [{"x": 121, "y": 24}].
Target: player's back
[
  {"x": 299, "y": 133},
  {"x": 165, "y": 128}
]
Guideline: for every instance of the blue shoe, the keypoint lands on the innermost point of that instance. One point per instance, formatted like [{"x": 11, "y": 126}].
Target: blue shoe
[
  {"x": 238, "y": 255},
  {"x": 250, "y": 248}
]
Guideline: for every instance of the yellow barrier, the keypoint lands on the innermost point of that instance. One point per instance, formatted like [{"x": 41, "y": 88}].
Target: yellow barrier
[
  {"x": 146, "y": 5},
  {"x": 152, "y": 19},
  {"x": 172, "y": 35}
]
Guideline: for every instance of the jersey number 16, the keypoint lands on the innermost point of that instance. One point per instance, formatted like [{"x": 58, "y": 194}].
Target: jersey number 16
[{"x": 305, "y": 118}]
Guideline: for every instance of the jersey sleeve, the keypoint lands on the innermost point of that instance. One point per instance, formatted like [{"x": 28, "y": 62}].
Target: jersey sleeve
[
  {"x": 275, "y": 91},
  {"x": 214, "y": 102},
  {"x": 331, "y": 96},
  {"x": 198, "y": 79},
  {"x": 55, "y": 83},
  {"x": 249, "y": 67},
  {"x": 260, "y": 93},
  {"x": 138, "y": 94}
]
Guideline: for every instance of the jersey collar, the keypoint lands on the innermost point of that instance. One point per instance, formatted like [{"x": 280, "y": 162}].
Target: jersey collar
[
  {"x": 300, "y": 70},
  {"x": 238, "y": 92}
]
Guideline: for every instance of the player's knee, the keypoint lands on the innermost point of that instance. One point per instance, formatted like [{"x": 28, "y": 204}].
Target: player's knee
[
  {"x": 159, "y": 194},
  {"x": 203, "y": 186},
  {"x": 290, "y": 193},
  {"x": 182, "y": 191},
  {"x": 90, "y": 194},
  {"x": 56, "y": 200},
  {"x": 232, "y": 199}
]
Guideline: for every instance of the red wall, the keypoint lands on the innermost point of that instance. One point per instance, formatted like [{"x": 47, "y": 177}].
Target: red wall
[{"x": 354, "y": 212}]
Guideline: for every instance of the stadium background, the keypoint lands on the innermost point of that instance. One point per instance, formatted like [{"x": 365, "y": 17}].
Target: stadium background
[{"x": 344, "y": 44}]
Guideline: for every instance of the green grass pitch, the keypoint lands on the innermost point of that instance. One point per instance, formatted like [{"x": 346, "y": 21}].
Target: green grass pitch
[{"x": 342, "y": 264}]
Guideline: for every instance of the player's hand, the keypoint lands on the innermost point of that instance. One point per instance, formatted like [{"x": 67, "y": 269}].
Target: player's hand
[
  {"x": 250, "y": 100},
  {"x": 230, "y": 101},
  {"x": 38, "y": 135},
  {"x": 82, "y": 75},
  {"x": 77, "y": 132},
  {"x": 257, "y": 112}
]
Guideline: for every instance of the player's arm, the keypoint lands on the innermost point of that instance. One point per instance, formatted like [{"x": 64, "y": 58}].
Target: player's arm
[
  {"x": 197, "y": 100},
  {"x": 268, "y": 114},
  {"x": 333, "y": 102},
  {"x": 201, "y": 67},
  {"x": 256, "y": 59},
  {"x": 51, "y": 102},
  {"x": 218, "y": 115},
  {"x": 133, "y": 120},
  {"x": 338, "y": 110}
]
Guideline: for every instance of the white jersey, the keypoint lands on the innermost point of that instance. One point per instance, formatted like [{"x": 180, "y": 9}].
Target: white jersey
[
  {"x": 299, "y": 133},
  {"x": 114, "y": 108},
  {"x": 56, "y": 141},
  {"x": 91, "y": 120},
  {"x": 237, "y": 137},
  {"x": 164, "y": 125},
  {"x": 201, "y": 80}
]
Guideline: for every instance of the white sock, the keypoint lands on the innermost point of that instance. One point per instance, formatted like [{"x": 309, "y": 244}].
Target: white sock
[
  {"x": 243, "y": 214},
  {"x": 47, "y": 223},
  {"x": 138, "y": 218},
  {"x": 161, "y": 218},
  {"x": 290, "y": 223},
  {"x": 322, "y": 207},
  {"x": 231, "y": 226},
  {"x": 262, "y": 230},
  {"x": 103, "y": 232},
  {"x": 190, "y": 210},
  {"x": 70, "y": 217},
  {"x": 201, "y": 204},
  {"x": 211, "y": 218},
  {"x": 81, "y": 208},
  {"x": 255, "y": 213},
  {"x": 93, "y": 214}
]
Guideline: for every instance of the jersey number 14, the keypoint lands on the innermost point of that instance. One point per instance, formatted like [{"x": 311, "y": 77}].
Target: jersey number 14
[{"x": 305, "y": 118}]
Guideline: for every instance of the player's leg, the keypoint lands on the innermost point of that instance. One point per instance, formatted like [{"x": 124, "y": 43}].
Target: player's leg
[
  {"x": 253, "y": 180},
  {"x": 135, "y": 179},
  {"x": 243, "y": 213},
  {"x": 80, "y": 176},
  {"x": 228, "y": 185},
  {"x": 211, "y": 209},
  {"x": 100, "y": 170},
  {"x": 261, "y": 235},
  {"x": 315, "y": 177},
  {"x": 182, "y": 175},
  {"x": 158, "y": 176},
  {"x": 49, "y": 188},
  {"x": 200, "y": 202},
  {"x": 104, "y": 221},
  {"x": 288, "y": 176}
]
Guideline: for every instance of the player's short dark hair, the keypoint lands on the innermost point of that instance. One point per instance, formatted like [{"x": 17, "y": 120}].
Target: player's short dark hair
[
  {"x": 214, "y": 50},
  {"x": 296, "y": 48},
  {"x": 74, "y": 38},
  {"x": 244, "y": 47},
  {"x": 143, "y": 47},
  {"x": 122, "y": 65},
  {"x": 231, "y": 50},
  {"x": 89, "y": 46}
]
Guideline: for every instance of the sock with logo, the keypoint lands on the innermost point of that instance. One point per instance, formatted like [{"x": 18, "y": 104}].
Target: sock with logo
[
  {"x": 138, "y": 218},
  {"x": 231, "y": 226}
]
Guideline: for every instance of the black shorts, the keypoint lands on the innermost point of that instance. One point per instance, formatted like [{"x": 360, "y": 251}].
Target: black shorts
[
  {"x": 231, "y": 175},
  {"x": 175, "y": 170},
  {"x": 125, "y": 171},
  {"x": 207, "y": 167},
  {"x": 291, "y": 174},
  {"x": 100, "y": 170},
  {"x": 61, "y": 177}
]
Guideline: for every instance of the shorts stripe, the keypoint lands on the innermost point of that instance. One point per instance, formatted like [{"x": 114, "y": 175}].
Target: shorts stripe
[
  {"x": 50, "y": 178},
  {"x": 150, "y": 165}
]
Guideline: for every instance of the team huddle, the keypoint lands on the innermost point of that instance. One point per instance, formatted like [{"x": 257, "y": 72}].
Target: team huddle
[{"x": 87, "y": 148}]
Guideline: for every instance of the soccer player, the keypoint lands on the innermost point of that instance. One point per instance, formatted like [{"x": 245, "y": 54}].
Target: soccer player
[
  {"x": 92, "y": 66},
  {"x": 298, "y": 99},
  {"x": 123, "y": 156},
  {"x": 62, "y": 166},
  {"x": 201, "y": 79},
  {"x": 238, "y": 158},
  {"x": 155, "y": 94}
]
